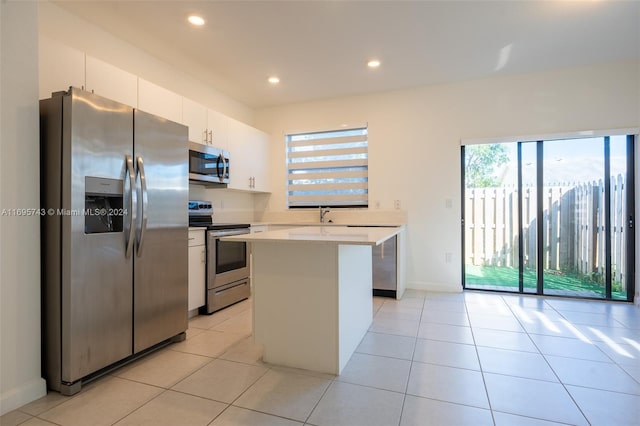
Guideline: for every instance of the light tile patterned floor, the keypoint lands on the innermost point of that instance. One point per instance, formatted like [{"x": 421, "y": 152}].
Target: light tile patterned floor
[{"x": 430, "y": 359}]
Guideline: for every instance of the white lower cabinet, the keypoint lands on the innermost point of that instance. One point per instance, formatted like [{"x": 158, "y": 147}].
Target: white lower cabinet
[{"x": 197, "y": 269}]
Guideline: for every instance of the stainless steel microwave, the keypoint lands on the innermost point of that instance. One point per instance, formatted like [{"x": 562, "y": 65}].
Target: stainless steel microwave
[{"x": 208, "y": 165}]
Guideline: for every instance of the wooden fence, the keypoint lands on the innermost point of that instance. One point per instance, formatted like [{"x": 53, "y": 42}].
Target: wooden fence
[{"x": 573, "y": 228}]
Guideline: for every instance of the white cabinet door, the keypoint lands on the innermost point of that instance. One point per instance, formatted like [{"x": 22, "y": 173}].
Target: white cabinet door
[
  {"x": 60, "y": 67},
  {"x": 260, "y": 156},
  {"x": 197, "y": 263},
  {"x": 194, "y": 115},
  {"x": 249, "y": 151},
  {"x": 159, "y": 101},
  {"x": 111, "y": 82},
  {"x": 240, "y": 156},
  {"x": 206, "y": 126},
  {"x": 217, "y": 126}
]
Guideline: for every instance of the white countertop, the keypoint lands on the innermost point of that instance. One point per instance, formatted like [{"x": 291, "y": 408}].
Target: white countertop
[
  {"x": 296, "y": 224},
  {"x": 334, "y": 234}
]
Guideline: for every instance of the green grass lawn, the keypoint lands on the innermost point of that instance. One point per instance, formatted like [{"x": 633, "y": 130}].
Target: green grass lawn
[{"x": 482, "y": 276}]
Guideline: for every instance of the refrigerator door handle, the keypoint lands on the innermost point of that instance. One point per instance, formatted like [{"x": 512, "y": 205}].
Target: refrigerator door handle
[
  {"x": 144, "y": 204},
  {"x": 131, "y": 174}
]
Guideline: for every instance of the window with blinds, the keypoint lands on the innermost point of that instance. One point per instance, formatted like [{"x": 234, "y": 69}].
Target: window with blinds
[{"x": 328, "y": 169}]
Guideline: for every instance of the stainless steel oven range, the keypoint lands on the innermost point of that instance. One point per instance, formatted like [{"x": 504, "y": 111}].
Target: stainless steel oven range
[
  {"x": 227, "y": 277},
  {"x": 227, "y": 267}
]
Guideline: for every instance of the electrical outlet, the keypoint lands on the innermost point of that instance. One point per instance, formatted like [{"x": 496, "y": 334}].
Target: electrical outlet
[
  {"x": 396, "y": 204},
  {"x": 447, "y": 257},
  {"x": 377, "y": 204},
  {"x": 448, "y": 203}
]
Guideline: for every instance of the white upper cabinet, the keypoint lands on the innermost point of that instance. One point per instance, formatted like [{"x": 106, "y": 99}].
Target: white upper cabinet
[
  {"x": 217, "y": 126},
  {"x": 239, "y": 156},
  {"x": 194, "y": 116},
  {"x": 159, "y": 101},
  {"x": 110, "y": 82},
  {"x": 60, "y": 67},
  {"x": 249, "y": 152},
  {"x": 206, "y": 126},
  {"x": 260, "y": 164}
]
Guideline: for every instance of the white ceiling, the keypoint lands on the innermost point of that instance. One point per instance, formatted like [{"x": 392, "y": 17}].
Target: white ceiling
[{"x": 319, "y": 49}]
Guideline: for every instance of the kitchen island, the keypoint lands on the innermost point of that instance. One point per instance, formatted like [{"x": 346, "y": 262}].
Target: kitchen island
[{"x": 312, "y": 292}]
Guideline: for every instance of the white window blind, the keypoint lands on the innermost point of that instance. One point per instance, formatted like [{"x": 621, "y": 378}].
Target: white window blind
[{"x": 328, "y": 169}]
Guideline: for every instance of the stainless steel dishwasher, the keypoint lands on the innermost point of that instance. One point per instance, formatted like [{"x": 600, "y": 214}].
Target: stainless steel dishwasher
[{"x": 385, "y": 279}]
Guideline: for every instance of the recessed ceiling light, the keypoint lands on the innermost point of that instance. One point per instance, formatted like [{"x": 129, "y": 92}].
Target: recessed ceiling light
[
  {"x": 196, "y": 20},
  {"x": 273, "y": 80},
  {"x": 373, "y": 63}
]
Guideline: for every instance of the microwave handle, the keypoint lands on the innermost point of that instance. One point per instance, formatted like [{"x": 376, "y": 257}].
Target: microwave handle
[
  {"x": 220, "y": 158},
  {"x": 224, "y": 166},
  {"x": 225, "y": 173}
]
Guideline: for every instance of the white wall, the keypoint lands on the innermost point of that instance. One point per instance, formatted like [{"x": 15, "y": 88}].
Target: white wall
[
  {"x": 414, "y": 138},
  {"x": 228, "y": 205},
  {"x": 58, "y": 24},
  {"x": 20, "y": 380}
]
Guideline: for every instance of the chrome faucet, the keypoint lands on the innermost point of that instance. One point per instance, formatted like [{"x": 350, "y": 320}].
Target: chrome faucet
[{"x": 323, "y": 212}]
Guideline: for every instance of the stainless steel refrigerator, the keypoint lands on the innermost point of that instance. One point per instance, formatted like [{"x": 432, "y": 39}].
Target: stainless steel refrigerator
[{"x": 114, "y": 193}]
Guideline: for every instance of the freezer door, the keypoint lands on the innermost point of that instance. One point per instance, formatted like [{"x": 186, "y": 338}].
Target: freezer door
[
  {"x": 96, "y": 276},
  {"x": 161, "y": 251}
]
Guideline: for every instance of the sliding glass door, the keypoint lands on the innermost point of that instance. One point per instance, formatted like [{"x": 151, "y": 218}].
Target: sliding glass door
[
  {"x": 491, "y": 217},
  {"x": 621, "y": 208},
  {"x": 550, "y": 217},
  {"x": 573, "y": 217}
]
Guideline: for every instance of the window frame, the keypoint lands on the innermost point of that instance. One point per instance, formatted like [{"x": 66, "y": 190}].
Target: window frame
[{"x": 340, "y": 151}]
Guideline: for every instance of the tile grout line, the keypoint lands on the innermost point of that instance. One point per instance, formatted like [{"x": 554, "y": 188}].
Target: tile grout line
[
  {"x": 475, "y": 345},
  {"x": 415, "y": 344},
  {"x": 547, "y": 361}
]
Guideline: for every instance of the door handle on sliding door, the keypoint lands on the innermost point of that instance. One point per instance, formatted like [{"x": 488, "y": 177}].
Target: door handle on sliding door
[
  {"x": 144, "y": 205},
  {"x": 130, "y": 235}
]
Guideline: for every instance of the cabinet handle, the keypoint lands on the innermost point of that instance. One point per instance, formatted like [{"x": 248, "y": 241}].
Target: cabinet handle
[
  {"x": 203, "y": 258},
  {"x": 211, "y": 136},
  {"x": 204, "y": 136}
]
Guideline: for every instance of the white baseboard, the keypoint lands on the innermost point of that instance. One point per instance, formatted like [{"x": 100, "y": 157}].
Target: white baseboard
[
  {"x": 21, "y": 395},
  {"x": 434, "y": 287}
]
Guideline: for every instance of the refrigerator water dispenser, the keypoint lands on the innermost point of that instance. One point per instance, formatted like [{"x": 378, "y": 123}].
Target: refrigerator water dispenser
[{"x": 103, "y": 205}]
